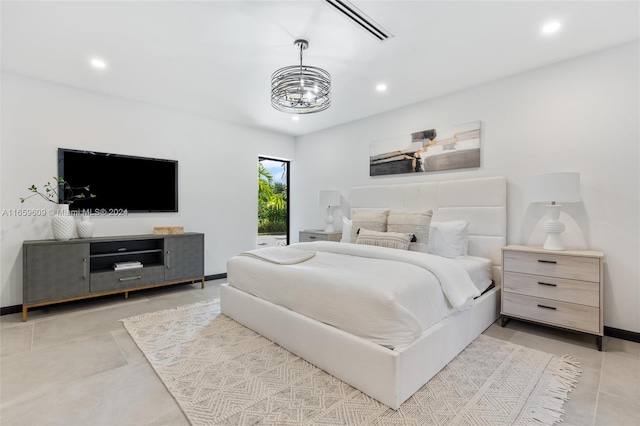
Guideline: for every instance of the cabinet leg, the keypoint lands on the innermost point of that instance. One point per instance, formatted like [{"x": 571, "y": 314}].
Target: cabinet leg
[
  {"x": 504, "y": 320},
  {"x": 126, "y": 294},
  {"x": 599, "y": 342},
  {"x": 24, "y": 313},
  {"x": 203, "y": 283}
]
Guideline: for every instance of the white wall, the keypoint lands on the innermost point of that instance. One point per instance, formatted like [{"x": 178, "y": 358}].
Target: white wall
[
  {"x": 217, "y": 167},
  {"x": 580, "y": 115}
]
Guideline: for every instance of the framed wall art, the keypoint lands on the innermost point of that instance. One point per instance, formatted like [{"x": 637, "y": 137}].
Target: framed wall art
[{"x": 431, "y": 150}]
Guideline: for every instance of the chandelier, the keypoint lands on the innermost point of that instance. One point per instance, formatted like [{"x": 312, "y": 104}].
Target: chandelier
[{"x": 301, "y": 89}]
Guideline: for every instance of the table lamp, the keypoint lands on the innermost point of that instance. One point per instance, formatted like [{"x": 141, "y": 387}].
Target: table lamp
[
  {"x": 329, "y": 198},
  {"x": 554, "y": 188}
]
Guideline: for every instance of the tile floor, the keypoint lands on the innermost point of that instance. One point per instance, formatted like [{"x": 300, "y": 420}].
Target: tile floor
[{"x": 74, "y": 364}]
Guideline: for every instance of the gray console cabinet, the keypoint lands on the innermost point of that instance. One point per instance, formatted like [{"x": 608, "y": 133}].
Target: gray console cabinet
[
  {"x": 60, "y": 271},
  {"x": 55, "y": 272},
  {"x": 183, "y": 258}
]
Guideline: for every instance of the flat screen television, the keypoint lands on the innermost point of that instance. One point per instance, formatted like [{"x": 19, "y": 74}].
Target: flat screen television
[{"x": 120, "y": 182}]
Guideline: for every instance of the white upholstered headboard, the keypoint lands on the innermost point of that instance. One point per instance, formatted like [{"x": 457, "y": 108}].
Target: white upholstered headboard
[{"x": 482, "y": 202}]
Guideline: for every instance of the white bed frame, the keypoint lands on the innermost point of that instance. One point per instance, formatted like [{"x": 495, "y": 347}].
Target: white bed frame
[{"x": 392, "y": 376}]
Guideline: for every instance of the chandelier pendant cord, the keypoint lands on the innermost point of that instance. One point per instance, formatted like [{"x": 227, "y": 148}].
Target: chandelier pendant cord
[{"x": 301, "y": 80}]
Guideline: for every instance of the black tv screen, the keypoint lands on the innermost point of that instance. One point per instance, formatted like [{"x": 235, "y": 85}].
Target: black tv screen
[{"x": 120, "y": 182}]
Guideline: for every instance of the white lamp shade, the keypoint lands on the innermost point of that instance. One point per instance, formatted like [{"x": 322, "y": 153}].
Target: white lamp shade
[
  {"x": 329, "y": 197},
  {"x": 558, "y": 187}
]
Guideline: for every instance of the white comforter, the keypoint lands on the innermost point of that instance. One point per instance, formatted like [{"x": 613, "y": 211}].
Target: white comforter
[{"x": 387, "y": 296}]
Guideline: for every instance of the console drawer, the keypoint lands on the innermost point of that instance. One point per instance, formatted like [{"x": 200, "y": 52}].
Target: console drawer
[
  {"x": 553, "y": 265},
  {"x": 133, "y": 278},
  {"x": 553, "y": 312},
  {"x": 572, "y": 291}
]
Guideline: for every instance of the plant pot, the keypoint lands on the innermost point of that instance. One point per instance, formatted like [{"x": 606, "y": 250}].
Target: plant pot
[
  {"x": 85, "y": 228},
  {"x": 62, "y": 223}
]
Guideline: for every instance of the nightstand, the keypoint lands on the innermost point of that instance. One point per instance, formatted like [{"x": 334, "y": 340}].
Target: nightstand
[
  {"x": 319, "y": 235},
  {"x": 557, "y": 288}
]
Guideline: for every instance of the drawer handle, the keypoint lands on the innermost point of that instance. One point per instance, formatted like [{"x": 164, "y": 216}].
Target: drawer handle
[
  {"x": 139, "y": 277},
  {"x": 547, "y": 307},
  {"x": 311, "y": 237},
  {"x": 547, "y": 261},
  {"x": 549, "y": 284}
]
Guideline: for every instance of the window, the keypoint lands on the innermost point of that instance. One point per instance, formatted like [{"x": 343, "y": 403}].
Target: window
[{"x": 273, "y": 202}]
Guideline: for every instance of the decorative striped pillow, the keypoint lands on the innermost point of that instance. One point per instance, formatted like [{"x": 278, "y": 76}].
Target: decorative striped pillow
[
  {"x": 376, "y": 221},
  {"x": 416, "y": 223},
  {"x": 395, "y": 240}
]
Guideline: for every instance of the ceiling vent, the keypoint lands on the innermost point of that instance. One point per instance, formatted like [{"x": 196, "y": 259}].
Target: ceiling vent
[{"x": 353, "y": 13}]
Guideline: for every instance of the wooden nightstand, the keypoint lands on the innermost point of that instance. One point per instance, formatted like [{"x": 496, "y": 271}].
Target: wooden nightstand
[
  {"x": 319, "y": 235},
  {"x": 558, "y": 288}
]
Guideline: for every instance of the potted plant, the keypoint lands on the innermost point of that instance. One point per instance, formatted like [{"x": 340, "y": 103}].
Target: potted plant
[{"x": 62, "y": 194}]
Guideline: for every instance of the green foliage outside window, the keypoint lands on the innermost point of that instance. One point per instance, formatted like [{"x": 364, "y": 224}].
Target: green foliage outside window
[{"x": 272, "y": 203}]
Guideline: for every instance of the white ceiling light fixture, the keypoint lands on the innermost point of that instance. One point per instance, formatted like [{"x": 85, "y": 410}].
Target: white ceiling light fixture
[
  {"x": 301, "y": 89},
  {"x": 551, "y": 27},
  {"x": 381, "y": 87},
  {"x": 98, "y": 63}
]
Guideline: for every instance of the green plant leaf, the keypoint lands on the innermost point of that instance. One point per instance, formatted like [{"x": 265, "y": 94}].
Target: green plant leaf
[{"x": 55, "y": 193}]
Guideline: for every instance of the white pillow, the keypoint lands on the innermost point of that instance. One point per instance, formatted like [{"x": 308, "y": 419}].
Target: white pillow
[
  {"x": 346, "y": 230},
  {"x": 449, "y": 239},
  {"x": 395, "y": 240}
]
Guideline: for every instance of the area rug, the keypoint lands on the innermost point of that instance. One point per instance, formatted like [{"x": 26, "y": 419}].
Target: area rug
[{"x": 222, "y": 373}]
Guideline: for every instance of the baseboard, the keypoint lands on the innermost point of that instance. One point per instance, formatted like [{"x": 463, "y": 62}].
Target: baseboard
[
  {"x": 6, "y": 310},
  {"x": 215, "y": 277},
  {"x": 622, "y": 334}
]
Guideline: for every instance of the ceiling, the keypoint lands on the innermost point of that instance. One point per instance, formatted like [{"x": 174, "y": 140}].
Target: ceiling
[{"x": 215, "y": 58}]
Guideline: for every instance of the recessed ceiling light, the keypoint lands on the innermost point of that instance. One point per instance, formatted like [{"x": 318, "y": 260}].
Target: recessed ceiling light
[
  {"x": 295, "y": 118},
  {"x": 551, "y": 27},
  {"x": 98, "y": 63},
  {"x": 381, "y": 87}
]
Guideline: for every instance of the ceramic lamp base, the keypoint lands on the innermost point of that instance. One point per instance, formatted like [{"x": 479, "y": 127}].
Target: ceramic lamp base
[
  {"x": 329, "y": 221},
  {"x": 554, "y": 227}
]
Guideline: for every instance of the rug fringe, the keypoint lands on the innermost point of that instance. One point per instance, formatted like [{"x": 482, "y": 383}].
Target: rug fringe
[{"x": 562, "y": 379}]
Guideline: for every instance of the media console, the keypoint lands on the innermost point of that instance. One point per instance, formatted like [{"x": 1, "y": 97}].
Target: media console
[{"x": 61, "y": 271}]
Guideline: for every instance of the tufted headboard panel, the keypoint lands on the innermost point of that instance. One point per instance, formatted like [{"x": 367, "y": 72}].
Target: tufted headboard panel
[{"x": 482, "y": 202}]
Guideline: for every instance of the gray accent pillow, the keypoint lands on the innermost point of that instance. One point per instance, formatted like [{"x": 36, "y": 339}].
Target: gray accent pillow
[
  {"x": 416, "y": 223},
  {"x": 394, "y": 240},
  {"x": 373, "y": 221}
]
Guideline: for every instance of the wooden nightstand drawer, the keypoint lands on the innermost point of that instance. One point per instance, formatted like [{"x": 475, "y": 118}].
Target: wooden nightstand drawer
[
  {"x": 307, "y": 236},
  {"x": 311, "y": 236},
  {"x": 553, "y": 312},
  {"x": 572, "y": 291},
  {"x": 553, "y": 265}
]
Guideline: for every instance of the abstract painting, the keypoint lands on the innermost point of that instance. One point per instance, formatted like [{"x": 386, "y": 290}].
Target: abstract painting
[{"x": 432, "y": 150}]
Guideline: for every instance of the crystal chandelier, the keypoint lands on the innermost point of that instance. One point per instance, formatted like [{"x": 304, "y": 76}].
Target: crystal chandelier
[{"x": 301, "y": 89}]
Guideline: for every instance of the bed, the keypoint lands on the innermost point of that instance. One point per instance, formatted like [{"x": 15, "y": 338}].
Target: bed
[{"x": 390, "y": 373}]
